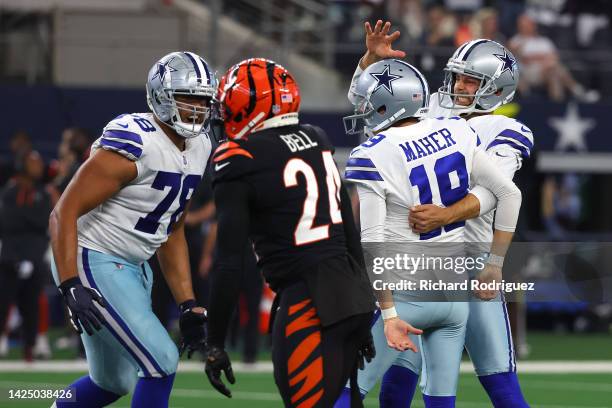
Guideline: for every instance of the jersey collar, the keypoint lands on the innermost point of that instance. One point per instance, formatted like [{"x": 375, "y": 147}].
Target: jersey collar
[{"x": 278, "y": 121}]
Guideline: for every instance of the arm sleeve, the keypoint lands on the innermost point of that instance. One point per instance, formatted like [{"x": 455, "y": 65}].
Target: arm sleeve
[
  {"x": 232, "y": 203},
  {"x": 126, "y": 143},
  {"x": 508, "y": 162},
  {"x": 350, "y": 230},
  {"x": 373, "y": 211},
  {"x": 352, "y": 97},
  {"x": 486, "y": 174}
]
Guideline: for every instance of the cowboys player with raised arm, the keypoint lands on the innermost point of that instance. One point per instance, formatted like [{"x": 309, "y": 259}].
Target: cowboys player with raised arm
[
  {"x": 275, "y": 182},
  {"x": 411, "y": 159},
  {"x": 128, "y": 201},
  {"x": 481, "y": 76}
]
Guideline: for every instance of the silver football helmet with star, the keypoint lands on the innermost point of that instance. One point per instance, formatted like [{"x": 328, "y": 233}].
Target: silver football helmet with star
[
  {"x": 387, "y": 91},
  {"x": 182, "y": 73},
  {"x": 489, "y": 62}
]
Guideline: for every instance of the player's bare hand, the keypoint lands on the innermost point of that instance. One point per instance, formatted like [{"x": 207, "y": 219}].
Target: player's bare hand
[
  {"x": 216, "y": 362},
  {"x": 379, "y": 43},
  {"x": 426, "y": 217},
  {"x": 489, "y": 274},
  {"x": 397, "y": 333}
]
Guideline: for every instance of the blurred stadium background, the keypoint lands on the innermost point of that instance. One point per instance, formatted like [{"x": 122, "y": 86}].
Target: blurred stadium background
[{"x": 67, "y": 67}]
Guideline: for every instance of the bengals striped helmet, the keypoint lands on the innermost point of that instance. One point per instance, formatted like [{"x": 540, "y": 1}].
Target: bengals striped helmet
[{"x": 254, "y": 91}]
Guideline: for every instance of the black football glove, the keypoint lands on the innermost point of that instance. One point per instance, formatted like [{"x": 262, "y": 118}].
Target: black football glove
[
  {"x": 218, "y": 361},
  {"x": 83, "y": 312},
  {"x": 193, "y": 329},
  {"x": 366, "y": 352}
]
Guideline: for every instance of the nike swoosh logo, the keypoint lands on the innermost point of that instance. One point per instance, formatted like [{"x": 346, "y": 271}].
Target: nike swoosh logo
[
  {"x": 524, "y": 129},
  {"x": 500, "y": 155},
  {"x": 220, "y": 166},
  {"x": 122, "y": 125}
]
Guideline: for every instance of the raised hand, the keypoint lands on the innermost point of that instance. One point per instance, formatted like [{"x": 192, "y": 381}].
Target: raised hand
[{"x": 379, "y": 43}]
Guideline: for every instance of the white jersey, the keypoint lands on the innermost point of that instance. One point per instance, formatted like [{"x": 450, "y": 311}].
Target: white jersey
[
  {"x": 507, "y": 142},
  {"x": 138, "y": 219},
  {"x": 426, "y": 163}
]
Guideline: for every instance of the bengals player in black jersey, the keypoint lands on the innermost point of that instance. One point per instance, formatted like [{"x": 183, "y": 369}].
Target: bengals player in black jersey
[{"x": 275, "y": 183}]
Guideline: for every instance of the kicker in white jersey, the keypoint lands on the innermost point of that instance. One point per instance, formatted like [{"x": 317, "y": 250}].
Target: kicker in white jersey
[
  {"x": 426, "y": 163},
  {"x": 138, "y": 219}
]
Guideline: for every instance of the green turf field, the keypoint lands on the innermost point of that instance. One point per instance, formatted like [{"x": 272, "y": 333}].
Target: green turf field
[
  {"x": 545, "y": 389},
  {"x": 258, "y": 391}
]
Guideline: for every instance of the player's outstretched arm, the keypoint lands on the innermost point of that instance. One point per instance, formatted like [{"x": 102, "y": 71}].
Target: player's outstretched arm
[
  {"x": 100, "y": 177},
  {"x": 509, "y": 200},
  {"x": 424, "y": 218},
  {"x": 233, "y": 218}
]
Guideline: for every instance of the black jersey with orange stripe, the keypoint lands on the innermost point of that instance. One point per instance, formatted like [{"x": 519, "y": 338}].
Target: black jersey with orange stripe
[{"x": 295, "y": 219}]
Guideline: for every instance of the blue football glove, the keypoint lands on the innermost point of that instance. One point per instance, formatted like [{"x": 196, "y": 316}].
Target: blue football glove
[
  {"x": 83, "y": 312},
  {"x": 193, "y": 329},
  {"x": 217, "y": 361}
]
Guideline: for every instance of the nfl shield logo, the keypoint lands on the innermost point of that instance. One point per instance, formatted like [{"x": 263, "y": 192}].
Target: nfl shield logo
[{"x": 275, "y": 109}]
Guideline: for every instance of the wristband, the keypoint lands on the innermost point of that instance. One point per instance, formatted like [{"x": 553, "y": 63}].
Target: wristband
[
  {"x": 187, "y": 305},
  {"x": 496, "y": 260},
  {"x": 65, "y": 286},
  {"x": 389, "y": 313}
]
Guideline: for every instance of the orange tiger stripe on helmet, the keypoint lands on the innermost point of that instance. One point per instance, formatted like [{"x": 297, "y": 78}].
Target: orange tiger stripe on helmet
[{"x": 253, "y": 91}]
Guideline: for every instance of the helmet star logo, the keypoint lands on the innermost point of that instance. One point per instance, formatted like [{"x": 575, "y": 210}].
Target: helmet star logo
[
  {"x": 508, "y": 63},
  {"x": 385, "y": 79},
  {"x": 163, "y": 69}
]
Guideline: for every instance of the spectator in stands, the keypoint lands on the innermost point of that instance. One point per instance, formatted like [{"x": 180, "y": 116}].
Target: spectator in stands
[
  {"x": 561, "y": 205},
  {"x": 411, "y": 17},
  {"x": 540, "y": 65},
  {"x": 73, "y": 150},
  {"x": 464, "y": 32},
  {"x": 486, "y": 25},
  {"x": 441, "y": 27},
  {"x": 20, "y": 144},
  {"x": 25, "y": 206}
]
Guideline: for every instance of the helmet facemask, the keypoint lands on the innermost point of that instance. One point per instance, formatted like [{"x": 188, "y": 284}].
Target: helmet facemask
[
  {"x": 447, "y": 96},
  {"x": 358, "y": 122},
  {"x": 199, "y": 116},
  {"x": 182, "y": 74}
]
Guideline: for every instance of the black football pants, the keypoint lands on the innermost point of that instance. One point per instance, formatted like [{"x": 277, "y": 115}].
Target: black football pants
[{"x": 312, "y": 363}]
